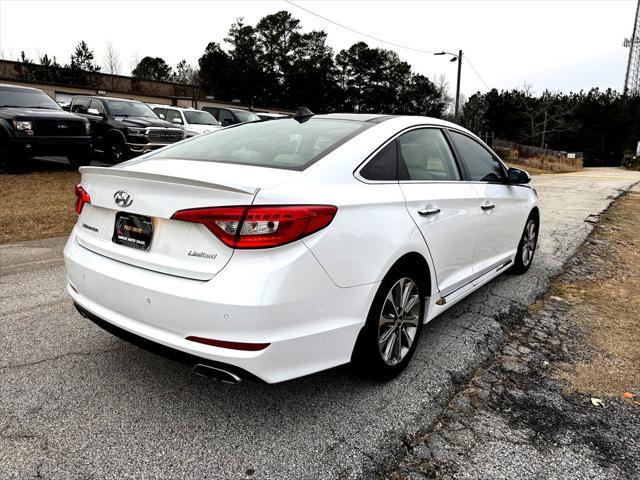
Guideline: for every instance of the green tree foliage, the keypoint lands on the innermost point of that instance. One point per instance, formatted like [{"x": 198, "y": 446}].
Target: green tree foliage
[
  {"x": 152, "y": 68},
  {"x": 215, "y": 71},
  {"x": 276, "y": 64},
  {"x": 185, "y": 73},
  {"x": 601, "y": 124},
  {"x": 83, "y": 59}
]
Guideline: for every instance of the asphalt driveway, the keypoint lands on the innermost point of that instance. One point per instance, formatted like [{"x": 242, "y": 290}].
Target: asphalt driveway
[{"x": 76, "y": 402}]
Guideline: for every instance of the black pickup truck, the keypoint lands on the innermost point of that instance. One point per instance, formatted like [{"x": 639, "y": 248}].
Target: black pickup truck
[
  {"x": 32, "y": 123},
  {"x": 122, "y": 128}
]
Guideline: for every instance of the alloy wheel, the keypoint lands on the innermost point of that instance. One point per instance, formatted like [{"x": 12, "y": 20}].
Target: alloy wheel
[
  {"x": 398, "y": 323},
  {"x": 116, "y": 152},
  {"x": 529, "y": 242}
]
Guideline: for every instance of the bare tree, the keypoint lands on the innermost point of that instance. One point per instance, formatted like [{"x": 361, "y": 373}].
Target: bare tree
[
  {"x": 111, "y": 60},
  {"x": 134, "y": 61}
]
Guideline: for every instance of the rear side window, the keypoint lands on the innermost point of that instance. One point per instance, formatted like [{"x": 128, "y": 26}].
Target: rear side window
[
  {"x": 97, "y": 104},
  {"x": 172, "y": 115},
  {"x": 161, "y": 112},
  {"x": 283, "y": 144},
  {"x": 80, "y": 105},
  {"x": 481, "y": 164},
  {"x": 427, "y": 156},
  {"x": 384, "y": 166},
  {"x": 213, "y": 111},
  {"x": 225, "y": 117}
]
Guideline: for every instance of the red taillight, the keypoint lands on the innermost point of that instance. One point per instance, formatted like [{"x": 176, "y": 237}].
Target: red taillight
[
  {"x": 260, "y": 226},
  {"x": 249, "y": 347},
  {"x": 82, "y": 197}
]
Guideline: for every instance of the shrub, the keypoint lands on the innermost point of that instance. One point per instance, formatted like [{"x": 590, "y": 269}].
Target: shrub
[{"x": 631, "y": 162}]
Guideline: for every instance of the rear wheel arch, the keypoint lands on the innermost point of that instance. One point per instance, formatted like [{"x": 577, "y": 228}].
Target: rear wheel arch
[
  {"x": 535, "y": 214},
  {"x": 115, "y": 135},
  {"x": 367, "y": 355},
  {"x": 414, "y": 262}
]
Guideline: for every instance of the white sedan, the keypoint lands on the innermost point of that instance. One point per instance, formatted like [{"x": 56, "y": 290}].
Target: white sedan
[{"x": 273, "y": 250}]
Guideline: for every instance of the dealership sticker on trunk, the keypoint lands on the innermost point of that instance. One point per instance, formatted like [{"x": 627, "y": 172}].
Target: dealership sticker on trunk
[{"x": 132, "y": 230}]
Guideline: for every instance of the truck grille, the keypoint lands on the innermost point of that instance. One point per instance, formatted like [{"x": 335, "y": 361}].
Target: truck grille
[
  {"x": 60, "y": 128},
  {"x": 164, "y": 135}
]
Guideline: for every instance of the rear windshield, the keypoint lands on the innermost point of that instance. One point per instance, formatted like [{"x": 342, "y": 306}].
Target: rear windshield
[{"x": 277, "y": 144}]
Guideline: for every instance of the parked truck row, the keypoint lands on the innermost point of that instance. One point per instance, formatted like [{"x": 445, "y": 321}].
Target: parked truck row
[{"x": 33, "y": 124}]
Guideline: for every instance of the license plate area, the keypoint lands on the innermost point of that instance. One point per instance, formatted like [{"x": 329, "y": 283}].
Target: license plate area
[{"x": 132, "y": 230}]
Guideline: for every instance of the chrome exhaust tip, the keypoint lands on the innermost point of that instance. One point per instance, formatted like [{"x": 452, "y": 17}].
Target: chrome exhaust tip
[{"x": 216, "y": 373}]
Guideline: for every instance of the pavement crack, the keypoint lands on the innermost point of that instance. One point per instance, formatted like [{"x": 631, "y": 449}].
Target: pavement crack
[{"x": 58, "y": 357}]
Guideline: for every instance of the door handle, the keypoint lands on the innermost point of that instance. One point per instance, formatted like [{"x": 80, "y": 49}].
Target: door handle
[
  {"x": 487, "y": 206},
  {"x": 425, "y": 212}
]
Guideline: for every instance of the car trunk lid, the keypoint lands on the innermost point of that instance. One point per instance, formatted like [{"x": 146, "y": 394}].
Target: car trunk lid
[{"x": 157, "y": 190}]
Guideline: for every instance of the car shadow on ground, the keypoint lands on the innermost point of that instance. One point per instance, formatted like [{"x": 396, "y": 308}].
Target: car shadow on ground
[{"x": 51, "y": 164}]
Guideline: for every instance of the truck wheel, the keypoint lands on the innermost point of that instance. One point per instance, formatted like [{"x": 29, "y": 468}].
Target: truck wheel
[
  {"x": 115, "y": 151},
  {"x": 7, "y": 164}
]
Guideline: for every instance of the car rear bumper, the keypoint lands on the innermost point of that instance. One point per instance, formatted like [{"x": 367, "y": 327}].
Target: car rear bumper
[{"x": 283, "y": 298}]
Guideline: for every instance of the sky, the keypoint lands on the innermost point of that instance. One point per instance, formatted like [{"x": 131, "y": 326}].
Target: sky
[{"x": 555, "y": 45}]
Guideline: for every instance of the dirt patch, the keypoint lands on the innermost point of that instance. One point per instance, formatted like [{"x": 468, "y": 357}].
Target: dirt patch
[
  {"x": 37, "y": 205},
  {"x": 607, "y": 306}
]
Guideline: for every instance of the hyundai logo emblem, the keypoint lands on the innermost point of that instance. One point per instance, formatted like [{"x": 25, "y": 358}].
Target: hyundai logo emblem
[{"x": 122, "y": 198}]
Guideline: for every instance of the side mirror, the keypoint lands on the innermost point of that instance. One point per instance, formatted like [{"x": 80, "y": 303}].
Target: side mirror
[
  {"x": 517, "y": 176},
  {"x": 94, "y": 112},
  {"x": 161, "y": 115},
  {"x": 177, "y": 120},
  {"x": 66, "y": 108},
  {"x": 226, "y": 121}
]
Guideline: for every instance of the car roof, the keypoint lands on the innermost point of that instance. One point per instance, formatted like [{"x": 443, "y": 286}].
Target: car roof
[
  {"x": 360, "y": 117},
  {"x": 18, "y": 87},
  {"x": 379, "y": 118},
  {"x": 100, "y": 97},
  {"x": 175, "y": 107}
]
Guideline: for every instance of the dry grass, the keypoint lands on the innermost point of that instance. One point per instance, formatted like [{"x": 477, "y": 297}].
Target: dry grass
[
  {"x": 546, "y": 165},
  {"x": 529, "y": 169},
  {"x": 607, "y": 307},
  {"x": 37, "y": 205}
]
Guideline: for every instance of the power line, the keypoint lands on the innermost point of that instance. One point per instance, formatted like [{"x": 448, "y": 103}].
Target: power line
[
  {"x": 420, "y": 50},
  {"x": 466, "y": 58},
  {"x": 357, "y": 31}
]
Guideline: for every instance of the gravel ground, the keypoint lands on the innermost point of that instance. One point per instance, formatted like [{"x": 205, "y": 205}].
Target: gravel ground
[
  {"x": 516, "y": 418},
  {"x": 76, "y": 402}
]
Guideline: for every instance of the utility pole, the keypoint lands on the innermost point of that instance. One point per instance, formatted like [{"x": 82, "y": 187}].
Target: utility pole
[
  {"x": 458, "y": 83},
  {"x": 544, "y": 129},
  {"x": 457, "y": 58},
  {"x": 632, "y": 78}
]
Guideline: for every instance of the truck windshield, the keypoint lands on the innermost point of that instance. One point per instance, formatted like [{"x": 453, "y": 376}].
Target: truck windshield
[
  {"x": 200, "y": 118},
  {"x": 23, "y": 98},
  {"x": 129, "y": 108},
  {"x": 283, "y": 144}
]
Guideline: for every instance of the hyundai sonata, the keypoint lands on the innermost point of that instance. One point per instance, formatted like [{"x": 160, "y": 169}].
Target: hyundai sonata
[{"x": 272, "y": 250}]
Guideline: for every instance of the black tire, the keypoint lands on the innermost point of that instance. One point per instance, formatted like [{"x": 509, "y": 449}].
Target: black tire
[
  {"x": 369, "y": 352},
  {"x": 79, "y": 159},
  {"x": 8, "y": 164},
  {"x": 527, "y": 246},
  {"x": 115, "y": 151}
]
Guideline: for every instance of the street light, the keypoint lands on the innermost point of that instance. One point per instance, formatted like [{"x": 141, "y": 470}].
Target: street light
[{"x": 455, "y": 58}]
